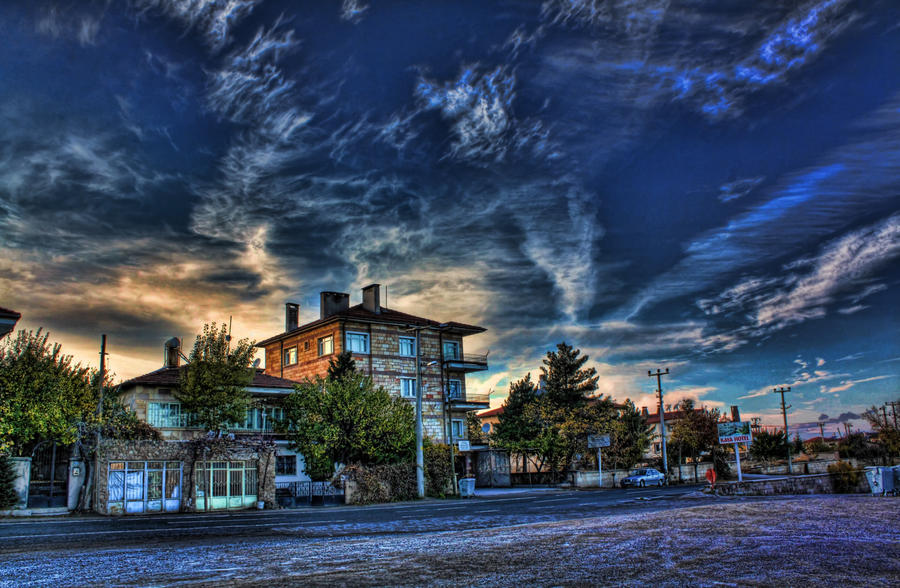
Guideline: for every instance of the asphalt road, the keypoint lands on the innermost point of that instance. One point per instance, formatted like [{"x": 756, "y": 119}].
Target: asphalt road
[{"x": 334, "y": 521}]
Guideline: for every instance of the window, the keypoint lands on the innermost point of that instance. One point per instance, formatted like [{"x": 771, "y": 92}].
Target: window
[
  {"x": 261, "y": 419},
  {"x": 168, "y": 415},
  {"x": 290, "y": 356},
  {"x": 451, "y": 350},
  {"x": 408, "y": 387},
  {"x": 306, "y": 346},
  {"x": 357, "y": 342},
  {"x": 457, "y": 428},
  {"x": 285, "y": 465},
  {"x": 326, "y": 345},
  {"x": 454, "y": 389},
  {"x": 408, "y": 346}
]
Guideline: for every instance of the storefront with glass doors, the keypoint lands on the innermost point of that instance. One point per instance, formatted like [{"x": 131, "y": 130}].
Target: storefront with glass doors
[{"x": 226, "y": 484}]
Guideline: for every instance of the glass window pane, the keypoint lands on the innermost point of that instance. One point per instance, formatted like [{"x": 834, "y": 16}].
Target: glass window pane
[
  {"x": 117, "y": 465},
  {"x": 220, "y": 483},
  {"x": 134, "y": 486},
  {"x": 116, "y": 486},
  {"x": 173, "y": 483},
  {"x": 154, "y": 485}
]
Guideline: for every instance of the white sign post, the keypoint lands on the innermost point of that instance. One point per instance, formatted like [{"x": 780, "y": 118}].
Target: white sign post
[
  {"x": 599, "y": 441},
  {"x": 736, "y": 433}
]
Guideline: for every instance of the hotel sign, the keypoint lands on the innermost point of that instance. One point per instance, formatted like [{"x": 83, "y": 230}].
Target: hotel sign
[{"x": 735, "y": 433}]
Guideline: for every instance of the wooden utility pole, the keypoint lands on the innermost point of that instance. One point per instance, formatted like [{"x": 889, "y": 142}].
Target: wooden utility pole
[
  {"x": 662, "y": 418},
  {"x": 822, "y": 430},
  {"x": 784, "y": 408},
  {"x": 894, "y": 406}
]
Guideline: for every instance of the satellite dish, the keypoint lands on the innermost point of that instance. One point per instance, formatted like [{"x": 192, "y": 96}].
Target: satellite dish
[
  {"x": 256, "y": 363},
  {"x": 486, "y": 427}
]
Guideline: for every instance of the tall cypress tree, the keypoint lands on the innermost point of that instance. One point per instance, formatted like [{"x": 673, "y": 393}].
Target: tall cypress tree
[{"x": 566, "y": 381}]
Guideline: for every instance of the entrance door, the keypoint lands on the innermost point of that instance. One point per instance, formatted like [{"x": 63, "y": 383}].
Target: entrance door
[
  {"x": 230, "y": 484},
  {"x": 143, "y": 486},
  {"x": 49, "y": 486}
]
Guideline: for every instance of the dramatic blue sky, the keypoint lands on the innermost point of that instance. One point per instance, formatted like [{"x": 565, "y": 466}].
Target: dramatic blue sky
[{"x": 710, "y": 186}]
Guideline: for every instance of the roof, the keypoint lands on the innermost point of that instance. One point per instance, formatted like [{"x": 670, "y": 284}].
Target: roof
[
  {"x": 169, "y": 376},
  {"x": 11, "y": 314},
  {"x": 386, "y": 316},
  {"x": 492, "y": 412}
]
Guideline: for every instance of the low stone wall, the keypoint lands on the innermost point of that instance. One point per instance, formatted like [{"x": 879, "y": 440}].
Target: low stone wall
[
  {"x": 186, "y": 452},
  {"x": 805, "y": 484},
  {"x": 612, "y": 478}
]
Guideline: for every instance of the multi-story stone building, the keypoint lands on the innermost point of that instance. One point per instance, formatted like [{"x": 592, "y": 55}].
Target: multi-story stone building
[{"x": 383, "y": 342}]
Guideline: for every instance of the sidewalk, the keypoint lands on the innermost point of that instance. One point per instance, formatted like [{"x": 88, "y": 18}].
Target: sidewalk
[{"x": 512, "y": 491}]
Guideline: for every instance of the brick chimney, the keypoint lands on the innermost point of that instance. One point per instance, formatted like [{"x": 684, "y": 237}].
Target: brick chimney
[
  {"x": 172, "y": 353},
  {"x": 644, "y": 412},
  {"x": 291, "y": 316},
  {"x": 332, "y": 303},
  {"x": 372, "y": 298},
  {"x": 735, "y": 415}
]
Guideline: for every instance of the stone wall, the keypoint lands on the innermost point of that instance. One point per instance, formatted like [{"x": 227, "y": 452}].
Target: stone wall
[
  {"x": 805, "y": 484},
  {"x": 187, "y": 453}
]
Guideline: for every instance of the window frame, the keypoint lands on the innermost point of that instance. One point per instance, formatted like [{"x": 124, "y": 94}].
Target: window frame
[
  {"x": 457, "y": 354},
  {"x": 412, "y": 386},
  {"x": 412, "y": 341},
  {"x": 462, "y": 428},
  {"x": 281, "y": 459},
  {"x": 459, "y": 388},
  {"x": 321, "y": 341},
  {"x": 296, "y": 356},
  {"x": 365, "y": 337}
]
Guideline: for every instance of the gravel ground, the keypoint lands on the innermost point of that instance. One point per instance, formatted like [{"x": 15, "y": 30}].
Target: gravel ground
[{"x": 822, "y": 540}]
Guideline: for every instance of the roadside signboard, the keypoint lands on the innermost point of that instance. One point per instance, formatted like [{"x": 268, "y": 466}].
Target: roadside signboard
[
  {"x": 735, "y": 433},
  {"x": 598, "y": 441},
  {"x": 464, "y": 446}
]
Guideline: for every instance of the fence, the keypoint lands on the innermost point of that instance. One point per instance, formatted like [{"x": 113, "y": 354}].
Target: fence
[{"x": 293, "y": 494}]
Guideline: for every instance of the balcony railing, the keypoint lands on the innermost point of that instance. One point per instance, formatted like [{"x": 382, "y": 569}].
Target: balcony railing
[
  {"x": 476, "y": 361},
  {"x": 470, "y": 397}
]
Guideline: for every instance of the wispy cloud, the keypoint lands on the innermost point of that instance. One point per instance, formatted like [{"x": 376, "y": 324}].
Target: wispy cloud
[
  {"x": 69, "y": 24},
  {"x": 214, "y": 19},
  {"x": 353, "y": 10}
]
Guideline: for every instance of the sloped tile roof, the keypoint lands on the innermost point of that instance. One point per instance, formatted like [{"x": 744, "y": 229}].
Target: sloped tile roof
[
  {"x": 360, "y": 313},
  {"x": 7, "y": 313},
  {"x": 168, "y": 376}
]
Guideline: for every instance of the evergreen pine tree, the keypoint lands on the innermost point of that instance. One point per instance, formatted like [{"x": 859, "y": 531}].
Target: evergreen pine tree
[
  {"x": 8, "y": 496},
  {"x": 340, "y": 367},
  {"x": 566, "y": 381}
]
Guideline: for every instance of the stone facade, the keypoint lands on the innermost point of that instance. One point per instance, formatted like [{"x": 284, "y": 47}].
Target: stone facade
[{"x": 187, "y": 453}]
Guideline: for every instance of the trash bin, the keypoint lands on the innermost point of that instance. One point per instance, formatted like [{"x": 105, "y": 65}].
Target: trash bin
[
  {"x": 881, "y": 480},
  {"x": 467, "y": 487}
]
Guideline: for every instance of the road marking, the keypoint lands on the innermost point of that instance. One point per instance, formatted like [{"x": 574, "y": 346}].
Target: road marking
[
  {"x": 193, "y": 528},
  {"x": 486, "y": 511}
]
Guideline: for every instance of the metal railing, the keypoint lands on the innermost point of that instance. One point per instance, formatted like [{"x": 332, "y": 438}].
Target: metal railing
[
  {"x": 476, "y": 358},
  {"x": 458, "y": 396}
]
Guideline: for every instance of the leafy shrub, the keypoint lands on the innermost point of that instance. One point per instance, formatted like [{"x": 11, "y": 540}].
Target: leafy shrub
[
  {"x": 382, "y": 483},
  {"x": 438, "y": 469},
  {"x": 844, "y": 477},
  {"x": 8, "y": 496}
]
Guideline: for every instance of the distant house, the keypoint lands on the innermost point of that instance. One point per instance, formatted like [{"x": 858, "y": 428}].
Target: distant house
[
  {"x": 8, "y": 320},
  {"x": 490, "y": 419},
  {"x": 671, "y": 417},
  {"x": 383, "y": 344},
  {"x": 147, "y": 477}
]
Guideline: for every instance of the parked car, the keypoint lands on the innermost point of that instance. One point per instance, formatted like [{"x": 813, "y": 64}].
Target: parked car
[{"x": 644, "y": 477}]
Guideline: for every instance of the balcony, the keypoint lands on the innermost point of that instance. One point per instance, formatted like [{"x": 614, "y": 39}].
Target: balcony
[
  {"x": 469, "y": 401},
  {"x": 469, "y": 362}
]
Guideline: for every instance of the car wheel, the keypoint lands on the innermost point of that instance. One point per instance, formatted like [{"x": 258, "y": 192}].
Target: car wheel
[
  {"x": 660, "y": 483},
  {"x": 642, "y": 483}
]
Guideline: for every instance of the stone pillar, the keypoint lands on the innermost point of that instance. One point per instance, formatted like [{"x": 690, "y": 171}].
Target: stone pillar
[
  {"x": 76, "y": 481},
  {"x": 22, "y": 467}
]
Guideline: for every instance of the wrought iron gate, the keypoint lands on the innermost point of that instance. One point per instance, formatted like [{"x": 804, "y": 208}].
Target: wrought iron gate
[{"x": 49, "y": 485}]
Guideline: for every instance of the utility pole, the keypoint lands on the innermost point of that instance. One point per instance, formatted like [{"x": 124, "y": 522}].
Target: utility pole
[
  {"x": 894, "y": 406},
  {"x": 420, "y": 457},
  {"x": 784, "y": 408},
  {"x": 822, "y": 430},
  {"x": 884, "y": 412},
  {"x": 662, "y": 417}
]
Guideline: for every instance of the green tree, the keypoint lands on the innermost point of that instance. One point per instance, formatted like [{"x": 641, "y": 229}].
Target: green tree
[
  {"x": 212, "y": 387},
  {"x": 566, "y": 381},
  {"x": 473, "y": 427},
  {"x": 513, "y": 426},
  {"x": 695, "y": 433},
  {"x": 629, "y": 438},
  {"x": 43, "y": 394},
  {"x": 340, "y": 367},
  {"x": 887, "y": 432},
  {"x": 767, "y": 446},
  {"x": 346, "y": 421}
]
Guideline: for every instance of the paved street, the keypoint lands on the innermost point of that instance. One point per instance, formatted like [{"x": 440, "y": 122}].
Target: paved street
[
  {"x": 659, "y": 538},
  {"x": 331, "y": 521}
]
